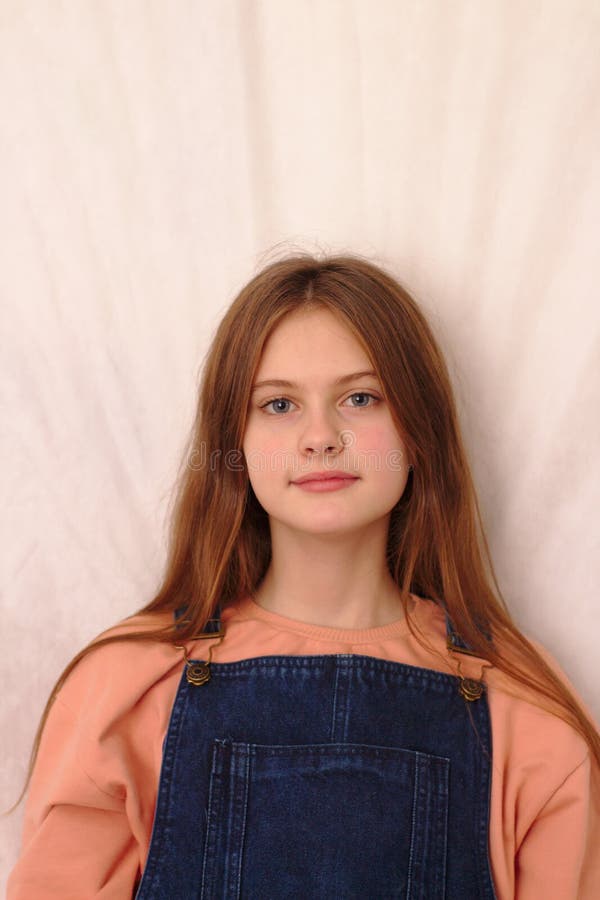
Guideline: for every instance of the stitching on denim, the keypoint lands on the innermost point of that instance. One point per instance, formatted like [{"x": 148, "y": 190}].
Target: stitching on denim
[
  {"x": 413, "y": 826},
  {"x": 348, "y": 698},
  {"x": 443, "y": 873},
  {"x": 332, "y": 730},
  {"x": 243, "y": 830},
  {"x": 225, "y": 669},
  {"x": 208, "y": 817},
  {"x": 485, "y": 743},
  {"x": 160, "y": 832}
]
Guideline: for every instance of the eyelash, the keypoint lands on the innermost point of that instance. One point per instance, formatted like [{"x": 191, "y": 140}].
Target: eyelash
[{"x": 354, "y": 394}]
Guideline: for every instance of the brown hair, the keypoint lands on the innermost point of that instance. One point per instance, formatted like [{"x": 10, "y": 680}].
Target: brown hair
[{"x": 219, "y": 547}]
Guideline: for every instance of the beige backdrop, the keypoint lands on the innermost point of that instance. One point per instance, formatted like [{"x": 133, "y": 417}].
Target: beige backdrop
[{"x": 152, "y": 152}]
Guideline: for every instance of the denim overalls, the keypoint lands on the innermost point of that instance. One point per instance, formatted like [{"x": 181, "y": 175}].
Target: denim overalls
[{"x": 334, "y": 776}]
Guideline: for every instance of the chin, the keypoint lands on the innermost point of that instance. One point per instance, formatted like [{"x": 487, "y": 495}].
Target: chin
[{"x": 324, "y": 525}]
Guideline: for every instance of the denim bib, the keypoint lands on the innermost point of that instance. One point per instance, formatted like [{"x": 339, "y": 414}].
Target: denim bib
[{"x": 325, "y": 776}]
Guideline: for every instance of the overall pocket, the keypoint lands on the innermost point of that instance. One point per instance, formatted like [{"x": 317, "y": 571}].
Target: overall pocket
[{"x": 337, "y": 820}]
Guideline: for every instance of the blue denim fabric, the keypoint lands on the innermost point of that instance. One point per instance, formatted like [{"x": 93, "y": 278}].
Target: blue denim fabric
[{"x": 334, "y": 776}]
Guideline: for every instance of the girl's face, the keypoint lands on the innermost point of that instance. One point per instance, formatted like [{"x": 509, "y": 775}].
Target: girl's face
[{"x": 317, "y": 407}]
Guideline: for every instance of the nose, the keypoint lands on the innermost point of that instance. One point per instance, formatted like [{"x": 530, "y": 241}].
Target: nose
[{"x": 320, "y": 434}]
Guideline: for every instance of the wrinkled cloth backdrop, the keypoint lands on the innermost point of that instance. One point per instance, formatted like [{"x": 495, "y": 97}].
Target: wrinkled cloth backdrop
[{"x": 152, "y": 155}]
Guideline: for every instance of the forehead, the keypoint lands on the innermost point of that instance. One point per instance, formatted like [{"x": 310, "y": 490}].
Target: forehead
[{"x": 314, "y": 338}]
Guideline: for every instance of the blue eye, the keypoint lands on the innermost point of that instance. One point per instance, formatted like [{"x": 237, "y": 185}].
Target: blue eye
[
  {"x": 281, "y": 405},
  {"x": 278, "y": 400},
  {"x": 363, "y": 394}
]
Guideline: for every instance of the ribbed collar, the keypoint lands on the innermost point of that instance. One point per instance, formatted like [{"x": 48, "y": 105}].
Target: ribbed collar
[{"x": 249, "y": 608}]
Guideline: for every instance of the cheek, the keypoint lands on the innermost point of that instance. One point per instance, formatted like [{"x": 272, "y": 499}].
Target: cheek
[
  {"x": 262, "y": 434},
  {"x": 267, "y": 443},
  {"x": 379, "y": 438},
  {"x": 383, "y": 451},
  {"x": 264, "y": 454}
]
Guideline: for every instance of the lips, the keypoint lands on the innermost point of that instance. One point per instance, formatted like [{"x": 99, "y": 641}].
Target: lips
[{"x": 325, "y": 476}]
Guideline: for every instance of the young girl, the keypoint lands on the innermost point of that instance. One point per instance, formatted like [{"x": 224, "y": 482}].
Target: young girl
[{"x": 328, "y": 697}]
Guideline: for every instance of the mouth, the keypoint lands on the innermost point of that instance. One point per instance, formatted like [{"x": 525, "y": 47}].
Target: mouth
[
  {"x": 325, "y": 476},
  {"x": 325, "y": 482}
]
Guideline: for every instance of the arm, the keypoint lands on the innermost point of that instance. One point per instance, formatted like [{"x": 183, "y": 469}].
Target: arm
[
  {"x": 559, "y": 856},
  {"x": 77, "y": 841}
]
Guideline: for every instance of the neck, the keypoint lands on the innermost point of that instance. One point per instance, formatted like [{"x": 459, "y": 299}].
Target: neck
[{"x": 340, "y": 581}]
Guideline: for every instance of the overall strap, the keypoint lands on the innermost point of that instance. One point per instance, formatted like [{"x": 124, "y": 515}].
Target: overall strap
[
  {"x": 470, "y": 688},
  {"x": 453, "y": 639},
  {"x": 212, "y": 626},
  {"x": 198, "y": 673},
  {"x": 214, "y": 623},
  {"x": 455, "y": 642}
]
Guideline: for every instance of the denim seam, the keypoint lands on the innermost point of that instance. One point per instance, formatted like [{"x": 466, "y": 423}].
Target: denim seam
[
  {"x": 236, "y": 815},
  {"x": 160, "y": 833},
  {"x": 333, "y": 729},
  {"x": 303, "y": 661},
  {"x": 413, "y": 827},
  {"x": 209, "y": 813}
]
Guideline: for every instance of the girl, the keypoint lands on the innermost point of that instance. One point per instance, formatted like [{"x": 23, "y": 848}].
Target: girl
[{"x": 327, "y": 698}]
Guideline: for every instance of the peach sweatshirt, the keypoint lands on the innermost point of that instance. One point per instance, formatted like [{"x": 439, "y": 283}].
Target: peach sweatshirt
[{"x": 89, "y": 813}]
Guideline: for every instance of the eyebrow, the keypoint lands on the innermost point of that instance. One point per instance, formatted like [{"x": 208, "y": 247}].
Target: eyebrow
[{"x": 343, "y": 379}]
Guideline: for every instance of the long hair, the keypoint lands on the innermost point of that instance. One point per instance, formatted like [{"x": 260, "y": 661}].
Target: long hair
[{"x": 219, "y": 545}]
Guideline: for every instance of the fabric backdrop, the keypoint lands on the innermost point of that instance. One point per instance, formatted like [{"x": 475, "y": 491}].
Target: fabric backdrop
[{"x": 155, "y": 153}]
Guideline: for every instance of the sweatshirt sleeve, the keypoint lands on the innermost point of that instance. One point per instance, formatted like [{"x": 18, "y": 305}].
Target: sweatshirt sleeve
[
  {"x": 559, "y": 858},
  {"x": 90, "y": 807},
  {"x": 77, "y": 842}
]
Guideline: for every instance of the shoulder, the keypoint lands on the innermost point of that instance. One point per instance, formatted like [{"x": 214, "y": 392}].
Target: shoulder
[
  {"x": 539, "y": 756},
  {"x": 102, "y": 738},
  {"x": 529, "y": 731},
  {"x": 542, "y": 712},
  {"x": 114, "y": 676}
]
